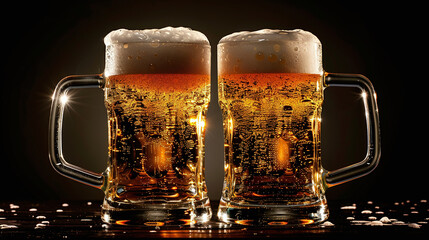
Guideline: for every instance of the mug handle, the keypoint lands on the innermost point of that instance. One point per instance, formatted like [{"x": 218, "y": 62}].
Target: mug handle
[
  {"x": 56, "y": 128},
  {"x": 373, "y": 151}
]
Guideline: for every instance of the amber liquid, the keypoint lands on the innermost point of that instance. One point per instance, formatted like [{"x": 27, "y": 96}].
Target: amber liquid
[
  {"x": 156, "y": 137},
  {"x": 272, "y": 137}
]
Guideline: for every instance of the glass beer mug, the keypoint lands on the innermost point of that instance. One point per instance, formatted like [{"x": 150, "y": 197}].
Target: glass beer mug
[
  {"x": 271, "y": 86},
  {"x": 156, "y": 87}
]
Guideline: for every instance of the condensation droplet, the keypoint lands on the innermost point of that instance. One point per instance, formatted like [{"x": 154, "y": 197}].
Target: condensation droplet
[
  {"x": 272, "y": 57},
  {"x": 259, "y": 56},
  {"x": 276, "y": 48}
]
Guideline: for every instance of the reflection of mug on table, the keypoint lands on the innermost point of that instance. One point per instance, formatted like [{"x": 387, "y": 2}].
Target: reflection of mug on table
[
  {"x": 271, "y": 86},
  {"x": 157, "y": 90}
]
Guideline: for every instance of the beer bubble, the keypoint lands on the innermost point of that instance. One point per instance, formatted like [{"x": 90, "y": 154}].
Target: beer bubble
[
  {"x": 276, "y": 48},
  {"x": 272, "y": 57},
  {"x": 259, "y": 56},
  {"x": 151, "y": 66},
  {"x": 155, "y": 44}
]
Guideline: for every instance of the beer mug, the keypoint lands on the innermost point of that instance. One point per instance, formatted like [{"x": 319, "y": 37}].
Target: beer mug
[
  {"x": 271, "y": 85},
  {"x": 156, "y": 87}
]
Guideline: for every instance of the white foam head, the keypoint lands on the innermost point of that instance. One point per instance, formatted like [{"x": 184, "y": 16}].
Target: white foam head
[
  {"x": 166, "y": 50},
  {"x": 270, "y": 51}
]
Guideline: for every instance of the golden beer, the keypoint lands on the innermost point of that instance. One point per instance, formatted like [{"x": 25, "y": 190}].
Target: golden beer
[
  {"x": 272, "y": 137},
  {"x": 156, "y": 134}
]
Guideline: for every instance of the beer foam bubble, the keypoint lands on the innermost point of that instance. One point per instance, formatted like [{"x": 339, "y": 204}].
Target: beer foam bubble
[
  {"x": 267, "y": 50},
  {"x": 165, "y": 50}
]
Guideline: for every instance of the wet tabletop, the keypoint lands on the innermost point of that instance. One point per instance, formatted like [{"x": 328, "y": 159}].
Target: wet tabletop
[{"x": 81, "y": 220}]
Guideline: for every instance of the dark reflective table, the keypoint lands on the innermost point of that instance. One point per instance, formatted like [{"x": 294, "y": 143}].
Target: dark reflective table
[{"x": 81, "y": 220}]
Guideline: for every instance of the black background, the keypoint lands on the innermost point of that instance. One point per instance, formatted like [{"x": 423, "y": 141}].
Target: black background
[{"x": 42, "y": 42}]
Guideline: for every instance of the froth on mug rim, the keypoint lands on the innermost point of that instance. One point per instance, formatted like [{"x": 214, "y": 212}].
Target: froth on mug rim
[
  {"x": 165, "y": 50},
  {"x": 270, "y": 35},
  {"x": 270, "y": 51},
  {"x": 162, "y": 35}
]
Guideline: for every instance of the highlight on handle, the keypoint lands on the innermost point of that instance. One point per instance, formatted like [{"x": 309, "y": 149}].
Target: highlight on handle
[
  {"x": 59, "y": 100},
  {"x": 373, "y": 153}
]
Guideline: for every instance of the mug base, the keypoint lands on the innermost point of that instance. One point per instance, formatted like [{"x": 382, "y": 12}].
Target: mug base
[
  {"x": 273, "y": 215},
  {"x": 156, "y": 214}
]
